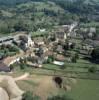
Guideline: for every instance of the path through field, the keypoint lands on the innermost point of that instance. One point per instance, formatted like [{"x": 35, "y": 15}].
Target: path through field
[{"x": 23, "y": 77}]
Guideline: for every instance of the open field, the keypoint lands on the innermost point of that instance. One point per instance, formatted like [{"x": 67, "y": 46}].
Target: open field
[
  {"x": 42, "y": 86},
  {"x": 85, "y": 90},
  {"x": 82, "y": 90}
]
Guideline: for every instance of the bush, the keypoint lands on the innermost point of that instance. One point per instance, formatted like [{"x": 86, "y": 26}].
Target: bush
[
  {"x": 8, "y": 50},
  {"x": 92, "y": 69},
  {"x": 50, "y": 59},
  {"x": 22, "y": 66},
  {"x": 95, "y": 53},
  {"x": 73, "y": 59},
  {"x": 11, "y": 67},
  {"x": 76, "y": 55},
  {"x": 29, "y": 96}
]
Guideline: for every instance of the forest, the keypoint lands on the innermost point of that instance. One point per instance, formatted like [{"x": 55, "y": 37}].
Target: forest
[{"x": 30, "y": 15}]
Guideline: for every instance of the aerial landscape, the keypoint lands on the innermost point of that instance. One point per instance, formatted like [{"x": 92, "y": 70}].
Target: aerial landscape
[{"x": 49, "y": 49}]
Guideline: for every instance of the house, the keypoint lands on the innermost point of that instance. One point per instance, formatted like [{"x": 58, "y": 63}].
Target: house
[
  {"x": 34, "y": 65},
  {"x": 11, "y": 60},
  {"x": 39, "y": 51},
  {"x": 47, "y": 54},
  {"x": 37, "y": 61},
  {"x": 62, "y": 32},
  {"x": 88, "y": 41},
  {"x": 92, "y": 43},
  {"x": 45, "y": 48},
  {"x": 90, "y": 35},
  {"x": 73, "y": 34},
  {"x": 87, "y": 48},
  {"x": 4, "y": 67},
  {"x": 60, "y": 35},
  {"x": 84, "y": 30},
  {"x": 60, "y": 57},
  {"x": 60, "y": 49},
  {"x": 71, "y": 28},
  {"x": 92, "y": 32},
  {"x": 96, "y": 43},
  {"x": 26, "y": 41},
  {"x": 39, "y": 41},
  {"x": 88, "y": 32}
]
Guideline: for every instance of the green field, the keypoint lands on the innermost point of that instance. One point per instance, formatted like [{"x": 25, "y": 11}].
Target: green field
[
  {"x": 85, "y": 90},
  {"x": 38, "y": 33},
  {"x": 82, "y": 90}
]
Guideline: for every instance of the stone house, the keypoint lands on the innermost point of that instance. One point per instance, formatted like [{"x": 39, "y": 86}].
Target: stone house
[
  {"x": 92, "y": 32},
  {"x": 60, "y": 35},
  {"x": 26, "y": 42},
  {"x": 39, "y": 41}
]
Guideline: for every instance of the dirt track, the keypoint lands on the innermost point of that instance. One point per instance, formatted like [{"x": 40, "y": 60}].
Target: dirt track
[{"x": 22, "y": 77}]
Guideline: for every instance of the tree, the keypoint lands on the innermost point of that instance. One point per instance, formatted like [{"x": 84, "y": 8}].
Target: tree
[
  {"x": 13, "y": 48},
  {"x": 11, "y": 67},
  {"x": 58, "y": 97},
  {"x": 74, "y": 58},
  {"x": 76, "y": 55},
  {"x": 72, "y": 46},
  {"x": 22, "y": 64},
  {"x": 50, "y": 59},
  {"x": 95, "y": 54},
  {"x": 92, "y": 69},
  {"x": 27, "y": 96}
]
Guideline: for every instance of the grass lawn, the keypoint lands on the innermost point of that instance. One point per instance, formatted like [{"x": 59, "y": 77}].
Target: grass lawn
[
  {"x": 38, "y": 33},
  {"x": 85, "y": 90}
]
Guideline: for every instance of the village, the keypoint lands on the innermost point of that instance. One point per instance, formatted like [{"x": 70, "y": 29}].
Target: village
[{"x": 64, "y": 44}]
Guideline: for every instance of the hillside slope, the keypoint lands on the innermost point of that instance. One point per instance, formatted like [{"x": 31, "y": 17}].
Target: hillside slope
[
  {"x": 30, "y": 15},
  {"x": 14, "y": 2}
]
